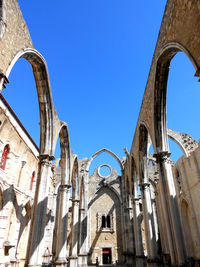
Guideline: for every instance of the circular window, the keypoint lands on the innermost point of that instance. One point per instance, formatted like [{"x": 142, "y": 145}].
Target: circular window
[{"x": 104, "y": 171}]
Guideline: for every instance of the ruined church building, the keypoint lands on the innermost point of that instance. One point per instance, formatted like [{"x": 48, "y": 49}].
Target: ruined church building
[{"x": 148, "y": 215}]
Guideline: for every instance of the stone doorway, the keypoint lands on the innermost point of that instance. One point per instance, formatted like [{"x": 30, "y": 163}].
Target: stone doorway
[{"x": 106, "y": 256}]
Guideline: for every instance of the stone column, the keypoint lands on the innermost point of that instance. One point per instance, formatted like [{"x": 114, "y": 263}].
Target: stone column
[
  {"x": 83, "y": 251},
  {"x": 37, "y": 230},
  {"x": 139, "y": 251},
  {"x": 83, "y": 236},
  {"x": 61, "y": 241},
  {"x": 131, "y": 236},
  {"x": 137, "y": 228},
  {"x": 152, "y": 249},
  {"x": 73, "y": 258},
  {"x": 162, "y": 226},
  {"x": 129, "y": 242},
  {"x": 153, "y": 204},
  {"x": 131, "y": 239},
  {"x": 124, "y": 223},
  {"x": 173, "y": 222}
]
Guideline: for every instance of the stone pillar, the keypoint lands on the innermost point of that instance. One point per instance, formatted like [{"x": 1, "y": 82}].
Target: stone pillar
[
  {"x": 130, "y": 239},
  {"x": 83, "y": 227},
  {"x": 137, "y": 223},
  {"x": 162, "y": 226},
  {"x": 152, "y": 249},
  {"x": 83, "y": 250},
  {"x": 73, "y": 258},
  {"x": 124, "y": 217},
  {"x": 173, "y": 222},
  {"x": 153, "y": 204},
  {"x": 131, "y": 236},
  {"x": 37, "y": 230},
  {"x": 139, "y": 251},
  {"x": 61, "y": 241}
]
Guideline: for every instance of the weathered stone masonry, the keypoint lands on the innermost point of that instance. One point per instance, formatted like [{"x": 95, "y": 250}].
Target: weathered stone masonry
[{"x": 57, "y": 216}]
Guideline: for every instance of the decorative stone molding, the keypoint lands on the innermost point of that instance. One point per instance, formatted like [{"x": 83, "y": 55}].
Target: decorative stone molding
[
  {"x": 46, "y": 160},
  {"x": 162, "y": 157},
  {"x": 143, "y": 186},
  {"x": 183, "y": 140}
]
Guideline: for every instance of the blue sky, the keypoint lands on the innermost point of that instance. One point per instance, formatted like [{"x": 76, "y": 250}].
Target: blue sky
[{"x": 98, "y": 54}]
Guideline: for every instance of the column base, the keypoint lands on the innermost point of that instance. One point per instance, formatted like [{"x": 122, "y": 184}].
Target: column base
[
  {"x": 82, "y": 260},
  {"x": 141, "y": 261},
  {"x": 73, "y": 261},
  {"x": 61, "y": 262}
]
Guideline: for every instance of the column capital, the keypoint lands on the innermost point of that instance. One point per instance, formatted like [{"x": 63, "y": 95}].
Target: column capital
[
  {"x": 45, "y": 159},
  {"x": 65, "y": 187},
  {"x": 162, "y": 156},
  {"x": 75, "y": 200},
  {"x": 143, "y": 186}
]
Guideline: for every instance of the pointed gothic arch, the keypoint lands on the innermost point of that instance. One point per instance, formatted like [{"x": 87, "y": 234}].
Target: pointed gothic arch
[
  {"x": 101, "y": 151},
  {"x": 160, "y": 90},
  {"x": 46, "y": 107}
]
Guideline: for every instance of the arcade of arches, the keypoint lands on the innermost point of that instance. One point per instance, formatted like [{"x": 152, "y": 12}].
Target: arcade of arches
[{"x": 53, "y": 213}]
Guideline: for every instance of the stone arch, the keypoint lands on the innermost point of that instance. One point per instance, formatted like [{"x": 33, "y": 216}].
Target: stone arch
[
  {"x": 134, "y": 178},
  {"x": 98, "y": 189},
  {"x": 101, "y": 151},
  {"x": 185, "y": 141},
  {"x": 45, "y": 100},
  {"x": 160, "y": 90},
  {"x": 65, "y": 158},
  {"x": 144, "y": 143},
  {"x": 83, "y": 202},
  {"x": 75, "y": 181}
]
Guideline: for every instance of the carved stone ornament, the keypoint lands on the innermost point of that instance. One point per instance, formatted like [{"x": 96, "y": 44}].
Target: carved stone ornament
[
  {"x": 162, "y": 157},
  {"x": 185, "y": 141}
]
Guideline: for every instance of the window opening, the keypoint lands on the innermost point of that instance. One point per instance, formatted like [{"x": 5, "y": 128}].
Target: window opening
[
  {"x": 103, "y": 221},
  {"x": 4, "y": 158},
  {"x": 32, "y": 181},
  {"x": 106, "y": 222}
]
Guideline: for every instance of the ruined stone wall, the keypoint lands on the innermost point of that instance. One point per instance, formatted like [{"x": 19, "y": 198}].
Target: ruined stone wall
[
  {"x": 174, "y": 30},
  {"x": 105, "y": 202},
  {"x": 187, "y": 180},
  {"x": 16, "y": 36},
  {"x": 17, "y": 194}
]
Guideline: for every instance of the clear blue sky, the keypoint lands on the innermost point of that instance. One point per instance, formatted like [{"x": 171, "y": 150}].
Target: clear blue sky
[{"x": 98, "y": 54}]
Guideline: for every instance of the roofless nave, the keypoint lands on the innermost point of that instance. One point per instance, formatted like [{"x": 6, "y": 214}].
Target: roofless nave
[{"x": 56, "y": 213}]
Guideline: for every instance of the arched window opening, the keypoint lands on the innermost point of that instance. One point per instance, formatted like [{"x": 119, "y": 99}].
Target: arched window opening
[
  {"x": 175, "y": 150},
  {"x": 103, "y": 221},
  {"x": 32, "y": 180},
  {"x": 108, "y": 221},
  {"x": 182, "y": 101},
  {"x": 4, "y": 157}
]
